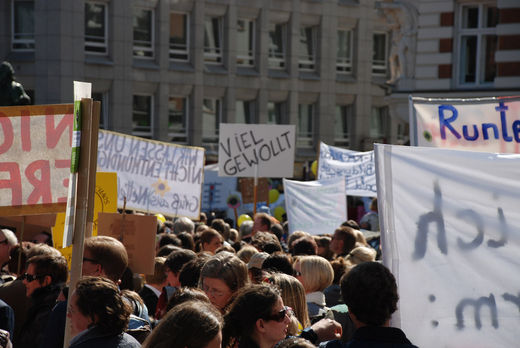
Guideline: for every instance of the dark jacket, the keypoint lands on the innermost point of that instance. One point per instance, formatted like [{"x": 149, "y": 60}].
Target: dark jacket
[
  {"x": 373, "y": 337},
  {"x": 93, "y": 337},
  {"x": 149, "y": 298}
]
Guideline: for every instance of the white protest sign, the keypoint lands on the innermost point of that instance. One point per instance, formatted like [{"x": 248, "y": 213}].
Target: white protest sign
[
  {"x": 489, "y": 124},
  {"x": 154, "y": 176},
  {"x": 242, "y": 147},
  {"x": 357, "y": 168},
  {"x": 316, "y": 207},
  {"x": 451, "y": 236}
]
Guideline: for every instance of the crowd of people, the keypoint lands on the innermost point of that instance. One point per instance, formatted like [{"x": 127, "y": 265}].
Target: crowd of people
[{"x": 212, "y": 286}]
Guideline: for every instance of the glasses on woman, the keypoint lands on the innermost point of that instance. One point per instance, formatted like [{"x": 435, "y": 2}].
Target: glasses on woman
[{"x": 280, "y": 316}]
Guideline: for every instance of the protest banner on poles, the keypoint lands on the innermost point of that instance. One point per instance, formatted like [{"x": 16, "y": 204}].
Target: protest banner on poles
[
  {"x": 451, "y": 235},
  {"x": 316, "y": 207},
  {"x": 484, "y": 124},
  {"x": 155, "y": 177},
  {"x": 357, "y": 168}
]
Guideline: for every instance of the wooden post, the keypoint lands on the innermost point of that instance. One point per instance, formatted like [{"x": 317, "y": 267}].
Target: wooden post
[{"x": 96, "y": 110}]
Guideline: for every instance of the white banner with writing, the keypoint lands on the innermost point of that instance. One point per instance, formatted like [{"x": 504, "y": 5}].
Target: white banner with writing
[
  {"x": 451, "y": 236},
  {"x": 316, "y": 207},
  {"x": 261, "y": 150},
  {"x": 357, "y": 168},
  {"x": 486, "y": 124},
  {"x": 154, "y": 176}
]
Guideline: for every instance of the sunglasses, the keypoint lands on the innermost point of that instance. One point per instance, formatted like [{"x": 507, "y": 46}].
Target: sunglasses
[
  {"x": 31, "y": 277},
  {"x": 280, "y": 316}
]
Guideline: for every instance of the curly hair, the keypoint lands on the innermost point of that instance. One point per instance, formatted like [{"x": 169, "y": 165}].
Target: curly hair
[
  {"x": 99, "y": 299},
  {"x": 370, "y": 292}
]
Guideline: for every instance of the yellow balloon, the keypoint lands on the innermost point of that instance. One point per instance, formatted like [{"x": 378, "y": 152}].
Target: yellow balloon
[
  {"x": 273, "y": 195},
  {"x": 161, "y": 218},
  {"x": 242, "y": 218},
  {"x": 314, "y": 168},
  {"x": 278, "y": 212}
]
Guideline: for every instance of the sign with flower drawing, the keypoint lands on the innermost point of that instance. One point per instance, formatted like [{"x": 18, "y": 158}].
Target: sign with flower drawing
[{"x": 153, "y": 176}]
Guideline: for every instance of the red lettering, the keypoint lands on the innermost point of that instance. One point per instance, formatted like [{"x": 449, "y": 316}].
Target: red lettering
[
  {"x": 7, "y": 129},
  {"x": 63, "y": 164},
  {"x": 26, "y": 130},
  {"x": 54, "y": 133},
  {"x": 42, "y": 185},
  {"x": 14, "y": 183}
]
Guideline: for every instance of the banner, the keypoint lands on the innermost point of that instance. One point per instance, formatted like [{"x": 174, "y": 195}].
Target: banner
[
  {"x": 487, "y": 124},
  {"x": 261, "y": 150},
  {"x": 316, "y": 207},
  {"x": 35, "y": 148},
  {"x": 357, "y": 168},
  {"x": 451, "y": 236},
  {"x": 216, "y": 189},
  {"x": 154, "y": 176}
]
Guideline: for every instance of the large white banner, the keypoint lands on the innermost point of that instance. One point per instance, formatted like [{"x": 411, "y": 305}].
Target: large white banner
[
  {"x": 316, "y": 207},
  {"x": 261, "y": 150},
  {"x": 154, "y": 176},
  {"x": 451, "y": 235},
  {"x": 489, "y": 124},
  {"x": 357, "y": 168}
]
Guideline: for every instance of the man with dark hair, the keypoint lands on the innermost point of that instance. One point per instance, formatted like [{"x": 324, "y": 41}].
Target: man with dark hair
[
  {"x": 343, "y": 241},
  {"x": 305, "y": 245},
  {"x": 370, "y": 292},
  {"x": 262, "y": 222}
]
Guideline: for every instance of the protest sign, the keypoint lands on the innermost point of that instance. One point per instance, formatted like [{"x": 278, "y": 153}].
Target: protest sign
[
  {"x": 357, "y": 168},
  {"x": 316, "y": 207},
  {"x": 451, "y": 235},
  {"x": 216, "y": 189},
  {"x": 35, "y": 153},
  {"x": 485, "y": 124},
  {"x": 137, "y": 233},
  {"x": 255, "y": 150},
  {"x": 154, "y": 176}
]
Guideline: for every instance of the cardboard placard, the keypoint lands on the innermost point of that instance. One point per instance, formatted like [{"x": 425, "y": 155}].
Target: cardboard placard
[{"x": 247, "y": 190}]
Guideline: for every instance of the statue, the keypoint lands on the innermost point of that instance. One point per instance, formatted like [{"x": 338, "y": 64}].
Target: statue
[{"x": 11, "y": 92}]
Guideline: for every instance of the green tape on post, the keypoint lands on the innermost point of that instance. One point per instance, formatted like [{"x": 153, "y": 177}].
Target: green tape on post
[{"x": 76, "y": 138}]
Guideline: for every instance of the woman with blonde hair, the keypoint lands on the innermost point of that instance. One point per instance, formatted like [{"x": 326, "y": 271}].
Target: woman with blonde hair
[{"x": 359, "y": 255}]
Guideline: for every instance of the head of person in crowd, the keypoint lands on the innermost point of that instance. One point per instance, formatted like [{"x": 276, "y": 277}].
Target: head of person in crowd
[
  {"x": 187, "y": 294},
  {"x": 221, "y": 277},
  {"x": 305, "y": 245},
  {"x": 221, "y": 227},
  {"x": 233, "y": 235},
  {"x": 174, "y": 263},
  {"x": 190, "y": 272},
  {"x": 7, "y": 241},
  {"x": 266, "y": 241},
  {"x": 370, "y": 292},
  {"x": 339, "y": 266},
  {"x": 261, "y": 223},
  {"x": 18, "y": 258},
  {"x": 293, "y": 295},
  {"x": 295, "y": 342},
  {"x": 43, "y": 271},
  {"x": 246, "y": 228},
  {"x": 167, "y": 239},
  {"x": 158, "y": 279},
  {"x": 277, "y": 230},
  {"x": 209, "y": 241},
  {"x": 227, "y": 248},
  {"x": 323, "y": 243},
  {"x": 360, "y": 239},
  {"x": 187, "y": 241},
  {"x": 166, "y": 250},
  {"x": 254, "y": 267},
  {"x": 278, "y": 262},
  {"x": 343, "y": 240},
  {"x": 359, "y": 255},
  {"x": 43, "y": 237},
  {"x": 203, "y": 219},
  {"x": 104, "y": 256},
  {"x": 294, "y": 236},
  {"x": 192, "y": 324},
  {"x": 314, "y": 272},
  {"x": 97, "y": 301},
  {"x": 246, "y": 252},
  {"x": 257, "y": 317},
  {"x": 351, "y": 223},
  {"x": 183, "y": 224}
]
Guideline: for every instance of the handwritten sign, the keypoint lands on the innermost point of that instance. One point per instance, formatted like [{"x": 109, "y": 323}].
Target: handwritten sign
[
  {"x": 244, "y": 147},
  {"x": 35, "y": 148},
  {"x": 316, "y": 207},
  {"x": 451, "y": 235},
  {"x": 490, "y": 124},
  {"x": 357, "y": 167},
  {"x": 154, "y": 176}
]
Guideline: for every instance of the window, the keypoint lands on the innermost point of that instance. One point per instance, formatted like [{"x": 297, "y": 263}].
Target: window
[
  {"x": 307, "y": 48},
  {"x": 379, "y": 122},
  {"x": 23, "y": 26},
  {"x": 179, "y": 37},
  {"x": 213, "y": 36},
  {"x": 305, "y": 126},
  {"x": 477, "y": 44},
  {"x": 96, "y": 28},
  {"x": 245, "y": 42},
  {"x": 178, "y": 119},
  {"x": 277, "y": 46},
  {"x": 344, "y": 53},
  {"x": 143, "y": 33},
  {"x": 245, "y": 112},
  {"x": 211, "y": 118},
  {"x": 275, "y": 112},
  {"x": 142, "y": 116},
  {"x": 379, "y": 54},
  {"x": 103, "y": 114},
  {"x": 342, "y": 124}
]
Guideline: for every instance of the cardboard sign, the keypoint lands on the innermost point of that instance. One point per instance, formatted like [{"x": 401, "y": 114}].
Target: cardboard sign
[
  {"x": 489, "y": 124},
  {"x": 451, "y": 236},
  {"x": 255, "y": 150},
  {"x": 247, "y": 189},
  {"x": 35, "y": 148},
  {"x": 137, "y": 233},
  {"x": 357, "y": 168},
  {"x": 154, "y": 176}
]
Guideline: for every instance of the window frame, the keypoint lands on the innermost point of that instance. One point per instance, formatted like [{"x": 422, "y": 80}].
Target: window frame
[
  {"x": 380, "y": 69},
  {"x": 344, "y": 64},
  {"x": 274, "y": 61},
  {"x": 179, "y": 51},
  {"x": 347, "y": 113},
  {"x": 248, "y": 58},
  {"x": 186, "y": 112},
  {"x": 250, "y": 118},
  {"x": 140, "y": 133},
  {"x": 218, "y": 120},
  {"x": 385, "y": 122},
  {"x": 217, "y": 57},
  {"x": 278, "y": 107},
  {"x": 149, "y": 46},
  {"x": 309, "y": 62},
  {"x": 104, "y": 44},
  {"x": 29, "y": 42},
  {"x": 306, "y": 139}
]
